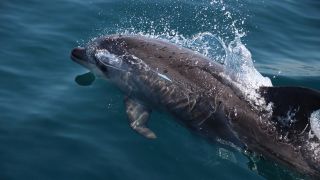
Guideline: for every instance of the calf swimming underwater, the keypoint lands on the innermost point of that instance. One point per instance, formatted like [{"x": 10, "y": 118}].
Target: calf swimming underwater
[{"x": 196, "y": 90}]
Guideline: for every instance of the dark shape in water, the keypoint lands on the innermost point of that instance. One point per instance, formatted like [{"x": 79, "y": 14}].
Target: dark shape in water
[{"x": 85, "y": 79}]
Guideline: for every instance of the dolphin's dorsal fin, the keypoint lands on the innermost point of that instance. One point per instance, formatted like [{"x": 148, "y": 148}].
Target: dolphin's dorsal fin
[
  {"x": 299, "y": 101},
  {"x": 138, "y": 116}
]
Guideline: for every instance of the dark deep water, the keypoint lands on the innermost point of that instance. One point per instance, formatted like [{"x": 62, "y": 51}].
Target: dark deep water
[{"x": 52, "y": 128}]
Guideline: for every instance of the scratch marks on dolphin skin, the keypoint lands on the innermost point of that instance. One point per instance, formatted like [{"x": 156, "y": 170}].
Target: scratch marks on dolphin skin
[
  {"x": 182, "y": 102},
  {"x": 207, "y": 116},
  {"x": 192, "y": 103}
]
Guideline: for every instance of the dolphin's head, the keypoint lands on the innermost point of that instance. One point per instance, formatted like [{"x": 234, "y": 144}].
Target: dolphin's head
[
  {"x": 104, "y": 55},
  {"x": 79, "y": 55}
]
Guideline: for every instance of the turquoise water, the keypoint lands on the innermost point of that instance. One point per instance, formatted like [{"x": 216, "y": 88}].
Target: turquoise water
[{"x": 53, "y": 128}]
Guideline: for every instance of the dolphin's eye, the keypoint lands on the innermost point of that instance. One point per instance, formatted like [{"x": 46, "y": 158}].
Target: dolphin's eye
[{"x": 104, "y": 57}]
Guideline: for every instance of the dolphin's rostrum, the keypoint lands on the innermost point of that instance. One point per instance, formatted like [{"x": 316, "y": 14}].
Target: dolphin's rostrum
[{"x": 154, "y": 73}]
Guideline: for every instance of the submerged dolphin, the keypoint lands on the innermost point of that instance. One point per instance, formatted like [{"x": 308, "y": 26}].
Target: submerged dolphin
[{"x": 153, "y": 72}]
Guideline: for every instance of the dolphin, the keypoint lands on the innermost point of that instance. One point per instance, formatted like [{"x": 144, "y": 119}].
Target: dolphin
[{"x": 154, "y": 73}]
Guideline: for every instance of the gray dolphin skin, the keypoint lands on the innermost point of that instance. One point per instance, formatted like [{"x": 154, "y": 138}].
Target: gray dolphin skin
[{"x": 153, "y": 73}]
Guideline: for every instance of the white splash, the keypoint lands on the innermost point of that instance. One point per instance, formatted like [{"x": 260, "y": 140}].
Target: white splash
[
  {"x": 239, "y": 65},
  {"x": 314, "y": 146},
  {"x": 315, "y": 123},
  {"x": 240, "y": 69}
]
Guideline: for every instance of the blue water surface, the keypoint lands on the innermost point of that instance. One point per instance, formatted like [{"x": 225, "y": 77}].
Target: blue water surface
[{"x": 53, "y": 128}]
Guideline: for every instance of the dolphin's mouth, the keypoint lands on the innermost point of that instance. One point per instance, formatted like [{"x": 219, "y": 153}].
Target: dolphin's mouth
[{"x": 78, "y": 54}]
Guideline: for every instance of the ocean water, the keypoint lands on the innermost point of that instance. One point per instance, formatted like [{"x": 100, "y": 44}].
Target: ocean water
[{"x": 53, "y": 128}]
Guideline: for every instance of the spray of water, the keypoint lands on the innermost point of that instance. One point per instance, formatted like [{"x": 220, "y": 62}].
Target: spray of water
[
  {"x": 313, "y": 145},
  {"x": 315, "y": 123}
]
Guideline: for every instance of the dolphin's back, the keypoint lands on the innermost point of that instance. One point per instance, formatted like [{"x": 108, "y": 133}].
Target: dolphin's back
[{"x": 177, "y": 63}]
